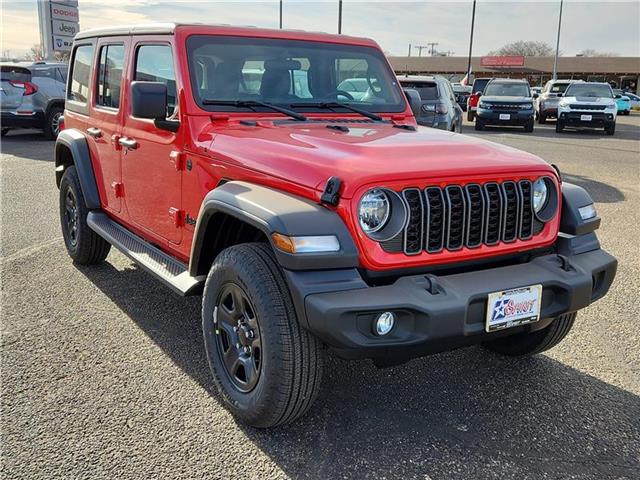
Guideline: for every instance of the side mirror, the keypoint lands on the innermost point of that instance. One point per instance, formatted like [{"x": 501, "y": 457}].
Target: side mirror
[
  {"x": 535, "y": 95},
  {"x": 559, "y": 94},
  {"x": 415, "y": 102},
  {"x": 149, "y": 100},
  {"x": 618, "y": 95}
]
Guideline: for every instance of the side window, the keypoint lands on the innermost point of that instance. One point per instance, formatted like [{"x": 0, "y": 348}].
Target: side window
[
  {"x": 154, "y": 63},
  {"x": 110, "y": 76},
  {"x": 80, "y": 73},
  {"x": 42, "y": 73}
]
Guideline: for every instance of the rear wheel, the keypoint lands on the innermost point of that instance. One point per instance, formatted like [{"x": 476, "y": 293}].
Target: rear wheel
[
  {"x": 52, "y": 123},
  {"x": 84, "y": 245},
  {"x": 265, "y": 366},
  {"x": 533, "y": 342},
  {"x": 542, "y": 119}
]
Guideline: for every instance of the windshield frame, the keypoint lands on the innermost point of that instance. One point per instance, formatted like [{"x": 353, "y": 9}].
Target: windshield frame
[{"x": 385, "y": 72}]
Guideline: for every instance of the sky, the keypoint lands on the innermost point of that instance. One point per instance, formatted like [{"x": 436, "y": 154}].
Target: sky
[{"x": 611, "y": 26}]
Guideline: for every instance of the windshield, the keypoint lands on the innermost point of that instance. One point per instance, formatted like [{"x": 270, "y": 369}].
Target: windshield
[
  {"x": 427, "y": 90},
  {"x": 285, "y": 72},
  {"x": 594, "y": 90},
  {"x": 559, "y": 87},
  {"x": 497, "y": 89},
  {"x": 479, "y": 84}
]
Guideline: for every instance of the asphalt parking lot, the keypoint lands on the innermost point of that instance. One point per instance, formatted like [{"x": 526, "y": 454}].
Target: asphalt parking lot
[{"x": 104, "y": 373}]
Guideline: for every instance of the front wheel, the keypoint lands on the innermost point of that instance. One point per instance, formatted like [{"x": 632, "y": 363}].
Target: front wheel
[
  {"x": 84, "y": 245},
  {"x": 610, "y": 129},
  {"x": 559, "y": 126},
  {"x": 529, "y": 127},
  {"x": 542, "y": 119},
  {"x": 266, "y": 367},
  {"x": 533, "y": 342},
  {"x": 479, "y": 125}
]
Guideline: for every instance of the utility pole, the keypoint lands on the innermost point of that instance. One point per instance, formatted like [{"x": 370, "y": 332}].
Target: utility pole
[
  {"x": 555, "y": 59},
  {"x": 339, "y": 17},
  {"x": 420, "y": 48},
  {"x": 409, "y": 54},
  {"x": 280, "y": 14},
  {"x": 473, "y": 21},
  {"x": 433, "y": 46}
]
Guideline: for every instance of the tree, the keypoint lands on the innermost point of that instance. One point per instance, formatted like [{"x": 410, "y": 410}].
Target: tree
[
  {"x": 590, "y": 52},
  {"x": 527, "y": 48},
  {"x": 35, "y": 53}
]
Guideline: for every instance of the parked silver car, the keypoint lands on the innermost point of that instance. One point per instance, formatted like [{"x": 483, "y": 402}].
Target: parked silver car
[
  {"x": 547, "y": 101},
  {"x": 438, "y": 104},
  {"x": 32, "y": 96}
]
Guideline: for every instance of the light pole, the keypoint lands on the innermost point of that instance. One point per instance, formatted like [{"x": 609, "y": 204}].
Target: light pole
[
  {"x": 555, "y": 59},
  {"x": 473, "y": 21},
  {"x": 339, "y": 17},
  {"x": 280, "y": 14}
]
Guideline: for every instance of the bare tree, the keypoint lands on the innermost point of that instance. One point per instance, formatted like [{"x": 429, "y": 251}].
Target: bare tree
[
  {"x": 35, "y": 53},
  {"x": 590, "y": 52},
  {"x": 527, "y": 48}
]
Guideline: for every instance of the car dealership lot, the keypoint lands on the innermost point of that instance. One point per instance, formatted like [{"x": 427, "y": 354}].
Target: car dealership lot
[{"x": 104, "y": 373}]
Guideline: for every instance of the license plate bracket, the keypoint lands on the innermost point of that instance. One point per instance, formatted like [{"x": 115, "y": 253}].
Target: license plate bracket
[{"x": 512, "y": 308}]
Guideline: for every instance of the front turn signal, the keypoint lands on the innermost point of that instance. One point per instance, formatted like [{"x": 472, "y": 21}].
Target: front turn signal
[{"x": 305, "y": 244}]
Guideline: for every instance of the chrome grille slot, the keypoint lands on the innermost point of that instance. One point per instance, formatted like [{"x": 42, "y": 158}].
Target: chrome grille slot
[
  {"x": 434, "y": 219},
  {"x": 511, "y": 211},
  {"x": 475, "y": 217},
  {"x": 413, "y": 233},
  {"x": 456, "y": 209}
]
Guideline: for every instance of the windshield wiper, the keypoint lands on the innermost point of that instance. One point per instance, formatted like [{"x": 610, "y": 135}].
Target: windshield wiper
[
  {"x": 255, "y": 103},
  {"x": 330, "y": 105}
]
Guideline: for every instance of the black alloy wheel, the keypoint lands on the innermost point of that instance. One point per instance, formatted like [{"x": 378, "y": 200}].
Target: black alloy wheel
[
  {"x": 71, "y": 216},
  {"x": 238, "y": 337}
]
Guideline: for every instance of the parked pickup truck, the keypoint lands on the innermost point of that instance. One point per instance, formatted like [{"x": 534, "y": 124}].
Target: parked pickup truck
[{"x": 309, "y": 220}]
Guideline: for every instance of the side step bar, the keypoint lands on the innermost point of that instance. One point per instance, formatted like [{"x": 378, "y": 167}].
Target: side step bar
[{"x": 170, "y": 271}]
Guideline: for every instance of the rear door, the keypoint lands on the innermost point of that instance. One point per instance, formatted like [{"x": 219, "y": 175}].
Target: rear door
[
  {"x": 12, "y": 78},
  {"x": 105, "y": 119},
  {"x": 151, "y": 181}
]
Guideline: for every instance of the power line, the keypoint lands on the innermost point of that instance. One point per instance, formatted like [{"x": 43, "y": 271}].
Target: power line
[{"x": 420, "y": 48}]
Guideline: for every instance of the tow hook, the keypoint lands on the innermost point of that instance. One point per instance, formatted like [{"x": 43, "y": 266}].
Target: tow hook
[{"x": 565, "y": 264}]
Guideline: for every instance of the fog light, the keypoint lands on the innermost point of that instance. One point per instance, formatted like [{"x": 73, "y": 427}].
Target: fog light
[{"x": 385, "y": 322}]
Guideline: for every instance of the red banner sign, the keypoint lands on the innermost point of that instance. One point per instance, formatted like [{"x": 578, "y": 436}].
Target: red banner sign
[{"x": 503, "y": 61}]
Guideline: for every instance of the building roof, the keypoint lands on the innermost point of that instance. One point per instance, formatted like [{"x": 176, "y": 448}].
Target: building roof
[{"x": 566, "y": 65}]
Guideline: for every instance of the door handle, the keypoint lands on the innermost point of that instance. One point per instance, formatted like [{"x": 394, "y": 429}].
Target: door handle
[
  {"x": 129, "y": 143},
  {"x": 94, "y": 132}
]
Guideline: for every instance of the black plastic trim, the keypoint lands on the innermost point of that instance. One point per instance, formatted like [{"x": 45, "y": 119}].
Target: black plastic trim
[
  {"x": 76, "y": 142},
  {"x": 573, "y": 198}
]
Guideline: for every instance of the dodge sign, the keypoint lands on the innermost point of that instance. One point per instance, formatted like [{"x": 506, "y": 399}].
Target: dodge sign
[{"x": 59, "y": 23}]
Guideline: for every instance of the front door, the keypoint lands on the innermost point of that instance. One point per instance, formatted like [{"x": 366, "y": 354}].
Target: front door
[{"x": 152, "y": 184}]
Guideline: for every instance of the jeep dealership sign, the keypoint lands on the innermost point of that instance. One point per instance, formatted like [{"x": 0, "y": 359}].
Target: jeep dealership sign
[{"x": 59, "y": 23}]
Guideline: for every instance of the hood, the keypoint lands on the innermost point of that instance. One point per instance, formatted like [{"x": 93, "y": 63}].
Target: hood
[
  {"x": 489, "y": 99},
  {"x": 368, "y": 153}
]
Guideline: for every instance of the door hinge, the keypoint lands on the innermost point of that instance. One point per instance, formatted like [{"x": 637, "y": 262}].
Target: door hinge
[
  {"x": 177, "y": 216},
  {"x": 177, "y": 159},
  {"x": 118, "y": 189}
]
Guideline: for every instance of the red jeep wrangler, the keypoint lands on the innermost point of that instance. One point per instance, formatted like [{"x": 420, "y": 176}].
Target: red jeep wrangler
[{"x": 242, "y": 164}]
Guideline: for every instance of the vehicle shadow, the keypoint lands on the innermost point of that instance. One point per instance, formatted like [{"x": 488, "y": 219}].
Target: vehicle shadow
[
  {"x": 29, "y": 144},
  {"x": 600, "y": 192},
  {"x": 624, "y": 131},
  {"x": 463, "y": 414}
]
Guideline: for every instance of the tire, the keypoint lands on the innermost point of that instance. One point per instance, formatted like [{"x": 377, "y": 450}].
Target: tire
[
  {"x": 559, "y": 126},
  {"x": 4, "y": 131},
  {"x": 610, "y": 129},
  {"x": 84, "y": 245},
  {"x": 479, "y": 125},
  {"x": 529, "y": 127},
  {"x": 533, "y": 342},
  {"x": 288, "y": 369},
  {"x": 51, "y": 125},
  {"x": 542, "y": 119}
]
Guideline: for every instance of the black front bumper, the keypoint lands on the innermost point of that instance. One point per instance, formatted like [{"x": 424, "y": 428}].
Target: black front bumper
[
  {"x": 516, "y": 117},
  {"x": 11, "y": 120},
  {"x": 598, "y": 119},
  {"x": 437, "y": 313}
]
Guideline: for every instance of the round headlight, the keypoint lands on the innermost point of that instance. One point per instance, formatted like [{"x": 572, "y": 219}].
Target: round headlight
[
  {"x": 373, "y": 211},
  {"x": 540, "y": 194}
]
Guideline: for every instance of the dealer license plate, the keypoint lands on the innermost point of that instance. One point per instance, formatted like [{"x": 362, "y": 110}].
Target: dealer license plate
[
  {"x": 586, "y": 118},
  {"x": 505, "y": 116},
  {"x": 511, "y": 308}
]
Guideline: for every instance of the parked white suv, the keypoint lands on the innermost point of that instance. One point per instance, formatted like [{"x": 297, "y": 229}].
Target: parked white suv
[{"x": 587, "y": 105}]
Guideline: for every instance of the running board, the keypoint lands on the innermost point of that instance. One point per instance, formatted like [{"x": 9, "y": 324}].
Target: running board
[{"x": 167, "y": 269}]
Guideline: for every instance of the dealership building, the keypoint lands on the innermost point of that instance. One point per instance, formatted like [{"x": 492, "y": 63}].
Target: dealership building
[{"x": 623, "y": 72}]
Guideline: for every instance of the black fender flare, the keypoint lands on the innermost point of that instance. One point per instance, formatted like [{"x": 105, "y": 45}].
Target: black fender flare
[
  {"x": 573, "y": 198},
  {"x": 275, "y": 211},
  {"x": 76, "y": 143}
]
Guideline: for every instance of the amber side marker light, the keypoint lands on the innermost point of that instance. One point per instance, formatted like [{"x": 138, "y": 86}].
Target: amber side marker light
[{"x": 306, "y": 244}]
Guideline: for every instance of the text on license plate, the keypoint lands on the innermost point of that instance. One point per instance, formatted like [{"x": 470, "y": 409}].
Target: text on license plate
[
  {"x": 511, "y": 308},
  {"x": 505, "y": 116},
  {"x": 586, "y": 118}
]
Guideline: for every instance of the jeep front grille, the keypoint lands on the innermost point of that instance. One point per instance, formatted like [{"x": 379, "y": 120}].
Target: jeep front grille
[
  {"x": 455, "y": 217},
  {"x": 587, "y": 107}
]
